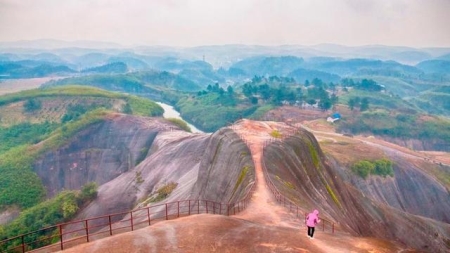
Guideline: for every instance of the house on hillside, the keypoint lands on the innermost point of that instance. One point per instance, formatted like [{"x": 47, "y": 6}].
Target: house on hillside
[{"x": 334, "y": 117}]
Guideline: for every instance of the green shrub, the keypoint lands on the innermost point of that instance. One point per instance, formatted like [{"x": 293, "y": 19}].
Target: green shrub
[
  {"x": 180, "y": 123},
  {"x": 88, "y": 192},
  {"x": 363, "y": 168},
  {"x": 381, "y": 167},
  {"x": 144, "y": 107},
  {"x": 59, "y": 209},
  {"x": 32, "y": 105},
  {"x": 164, "y": 191}
]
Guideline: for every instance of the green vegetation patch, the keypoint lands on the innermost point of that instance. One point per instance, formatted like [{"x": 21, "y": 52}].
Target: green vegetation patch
[
  {"x": 136, "y": 105},
  {"x": 19, "y": 185},
  {"x": 24, "y": 133},
  {"x": 59, "y": 209},
  {"x": 381, "y": 167},
  {"x": 180, "y": 123},
  {"x": 144, "y": 107},
  {"x": 163, "y": 192},
  {"x": 314, "y": 154},
  {"x": 240, "y": 179},
  {"x": 276, "y": 134},
  {"x": 333, "y": 195}
]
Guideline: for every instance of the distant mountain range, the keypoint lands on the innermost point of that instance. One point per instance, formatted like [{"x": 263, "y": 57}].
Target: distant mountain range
[{"x": 225, "y": 55}]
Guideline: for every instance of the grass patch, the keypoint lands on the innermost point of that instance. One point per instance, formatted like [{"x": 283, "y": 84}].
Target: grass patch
[
  {"x": 276, "y": 134},
  {"x": 163, "y": 192},
  {"x": 180, "y": 123},
  {"x": 314, "y": 155},
  {"x": 241, "y": 177},
  {"x": 333, "y": 195}
]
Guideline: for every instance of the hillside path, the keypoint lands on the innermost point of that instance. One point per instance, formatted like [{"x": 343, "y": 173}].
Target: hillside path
[{"x": 263, "y": 207}]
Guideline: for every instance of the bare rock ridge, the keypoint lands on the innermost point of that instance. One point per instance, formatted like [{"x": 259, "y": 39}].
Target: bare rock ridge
[
  {"x": 131, "y": 157},
  {"x": 264, "y": 226},
  {"x": 302, "y": 171},
  {"x": 99, "y": 153},
  {"x": 134, "y": 156}
]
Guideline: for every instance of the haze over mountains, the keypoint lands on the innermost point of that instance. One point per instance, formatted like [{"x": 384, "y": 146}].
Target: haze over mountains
[
  {"x": 375, "y": 168},
  {"x": 223, "y": 55}
]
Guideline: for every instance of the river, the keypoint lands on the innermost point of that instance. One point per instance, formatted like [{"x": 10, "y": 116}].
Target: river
[{"x": 169, "y": 112}]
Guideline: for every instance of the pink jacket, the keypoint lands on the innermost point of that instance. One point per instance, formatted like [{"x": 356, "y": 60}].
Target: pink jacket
[{"x": 312, "y": 219}]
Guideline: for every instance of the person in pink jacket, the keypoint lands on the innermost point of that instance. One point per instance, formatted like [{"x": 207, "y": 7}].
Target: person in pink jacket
[{"x": 311, "y": 220}]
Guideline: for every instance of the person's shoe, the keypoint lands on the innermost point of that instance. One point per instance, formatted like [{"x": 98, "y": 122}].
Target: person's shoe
[{"x": 311, "y": 238}]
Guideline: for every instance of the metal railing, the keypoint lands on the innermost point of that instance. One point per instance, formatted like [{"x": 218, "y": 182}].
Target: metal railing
[{"x": 65, "y": 235}]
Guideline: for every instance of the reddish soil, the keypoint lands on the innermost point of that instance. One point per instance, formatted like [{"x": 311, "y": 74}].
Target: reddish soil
[{"x": 263, "y": 227}]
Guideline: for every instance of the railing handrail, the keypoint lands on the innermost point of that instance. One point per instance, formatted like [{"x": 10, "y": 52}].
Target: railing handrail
[{"x": 229, "y": 209}]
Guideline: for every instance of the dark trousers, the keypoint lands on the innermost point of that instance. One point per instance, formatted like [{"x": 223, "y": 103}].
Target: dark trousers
[{"x": 311, "y": 231}]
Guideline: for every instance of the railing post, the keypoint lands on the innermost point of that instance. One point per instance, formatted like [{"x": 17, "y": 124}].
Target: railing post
[
  {"x": 220, "y": 208},
  {"x": 206, "y": 202},
  {"x": 110, "y": 226},
  {"x": 87, "y": 230},
  {"x": 167, "y": 216},
  {"x": 148, "y": 215},
  {"x": 189, "y": 207},
  {"x": 61, "y": 237},
  {"x": 228, "y": 209},
  {"x": 214, "y": 207},
  {"x": 23, "y": 245},
  {"x": 323, "y": 226},
  {"x": 198, "y": 206},
  {"x": 131, "y": 220},
  {"x": 178, "y": 203},
  {"x": 332, "y": 228}
]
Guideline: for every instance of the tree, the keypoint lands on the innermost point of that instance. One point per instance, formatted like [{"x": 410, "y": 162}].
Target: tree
[
  {"x": 230, "y": 90},
  {"x": 351, "y": 103},
  {"x": 264, "y": 90},
  {"x": 247, "y": 89},
  {"x": 221, "y": 91},
  {"x": 325, "y": 104},
  {"x": 363, "y": 168},
  {"x": 364, "y": 104},
  {"x": 254, "y": 100},
  {"x": 89, "y": 191},
  {"x": 334, "y": 99},
  {"x": 317, "y": 82},
  {"x": 32, "y": 105},
  {"x": 126, "y": 109},
  {"x": 306, "y": 83}
]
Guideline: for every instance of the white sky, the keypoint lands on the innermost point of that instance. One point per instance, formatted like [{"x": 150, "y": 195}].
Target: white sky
[{"x": 417, "y": 23}]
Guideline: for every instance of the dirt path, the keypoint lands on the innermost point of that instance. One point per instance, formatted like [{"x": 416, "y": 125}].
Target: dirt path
[
  {"x": 263, "y": 207},
  {"x": 265, "y": 210},
  {"x": 264, "y": 226}
]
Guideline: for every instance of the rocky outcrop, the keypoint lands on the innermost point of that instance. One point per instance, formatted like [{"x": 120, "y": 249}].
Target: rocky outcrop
[
  {"x": 215, "y": 167},
  {"x": 301, "y": 171},
  {"x": 99, "y": 153},
  {"x": 411, "y": 190}
]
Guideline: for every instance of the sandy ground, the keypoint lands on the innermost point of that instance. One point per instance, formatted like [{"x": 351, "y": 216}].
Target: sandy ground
[{"x": 264, "y": 226}]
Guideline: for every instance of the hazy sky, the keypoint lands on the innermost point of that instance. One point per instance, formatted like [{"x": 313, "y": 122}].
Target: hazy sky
[{"x": 417, "y": 23}]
